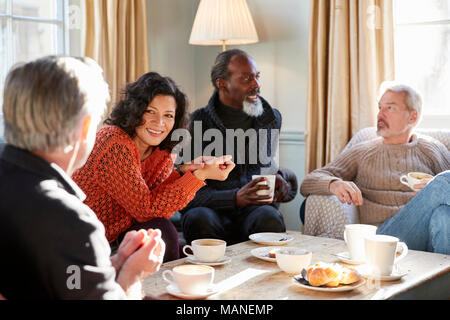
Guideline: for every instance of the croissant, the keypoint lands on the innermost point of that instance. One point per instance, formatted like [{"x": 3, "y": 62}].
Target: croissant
[
  {"x": 321, "y": 273},
  {"x": 349, "y": 275},
  {"x": 331, "y": 275}
]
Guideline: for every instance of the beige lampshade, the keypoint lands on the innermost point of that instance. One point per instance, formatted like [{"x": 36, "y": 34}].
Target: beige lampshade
[{"x": 220, "y": 22}]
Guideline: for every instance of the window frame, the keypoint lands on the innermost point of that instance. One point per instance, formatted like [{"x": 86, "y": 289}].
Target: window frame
[
  {"x": 436, "y": 121},
  {"x": 62, "y": 41}
]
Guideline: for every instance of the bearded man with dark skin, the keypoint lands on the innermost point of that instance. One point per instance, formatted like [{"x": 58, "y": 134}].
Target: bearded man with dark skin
[{"x": 231, "y": 210}]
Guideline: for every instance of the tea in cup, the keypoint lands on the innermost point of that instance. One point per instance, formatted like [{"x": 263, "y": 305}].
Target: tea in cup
[
  {"x": 293, "y": 260},
  {"x": 190, "y": 279},
  {"x": 381, "y": 253},
  {"x": 270, "y": 181},
  {"x": 354, "y": 235},
  {"x": 206, "y": 250},
  {"x": 414, "y": 178}
]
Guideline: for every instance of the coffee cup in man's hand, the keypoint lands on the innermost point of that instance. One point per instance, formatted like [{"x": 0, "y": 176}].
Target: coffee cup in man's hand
[{"x": 269, "y": 181}]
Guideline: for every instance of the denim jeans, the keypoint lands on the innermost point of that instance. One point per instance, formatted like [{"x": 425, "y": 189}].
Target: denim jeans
[{"x": 424, "y": 222}]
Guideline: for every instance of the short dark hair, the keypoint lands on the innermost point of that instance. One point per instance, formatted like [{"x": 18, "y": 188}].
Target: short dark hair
[
  {"x": 220, "y": 67},
  {"x": 128, "y": 112}
]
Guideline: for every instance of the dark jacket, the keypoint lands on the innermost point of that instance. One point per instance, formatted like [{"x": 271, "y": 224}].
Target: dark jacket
[
  {"x": 221, "y": 194},
  {"x": 52, "y": 246}
]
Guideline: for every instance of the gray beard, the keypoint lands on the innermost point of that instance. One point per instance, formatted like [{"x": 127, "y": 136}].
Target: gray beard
[{"x": 253, "y": 109}]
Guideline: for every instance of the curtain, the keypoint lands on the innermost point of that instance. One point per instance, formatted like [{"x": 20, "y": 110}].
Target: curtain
[
  {"x": 351, "y": 52},
  {"x": 116, "y": 37}
]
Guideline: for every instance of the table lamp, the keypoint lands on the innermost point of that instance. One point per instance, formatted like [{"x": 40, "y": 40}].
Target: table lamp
[{"x": 223, "y": 22}]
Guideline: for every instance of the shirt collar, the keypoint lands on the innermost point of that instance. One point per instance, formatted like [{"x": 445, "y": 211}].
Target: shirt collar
[
  {"x": 63, "y": 175},
  {"x": 38, "y": 166}
]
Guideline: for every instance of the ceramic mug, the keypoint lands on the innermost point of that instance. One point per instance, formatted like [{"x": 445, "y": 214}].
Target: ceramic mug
[
  {"x": 206, "y": 250},
  {"x": 190, "y": 279},
  {"x": 354, "y": 235},
  {"x": 270, "y": 182},
  {"x": 381, "y": 253},
  {"x": 414, "y": 178}
]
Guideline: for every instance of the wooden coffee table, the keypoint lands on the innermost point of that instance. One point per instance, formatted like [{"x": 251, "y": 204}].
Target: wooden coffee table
[{"x": 249, "y": 278}]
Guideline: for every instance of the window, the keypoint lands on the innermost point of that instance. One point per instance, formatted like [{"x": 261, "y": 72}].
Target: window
[
  {"x": 30, "y": 29},
  {"x": 422, "y": 46}
]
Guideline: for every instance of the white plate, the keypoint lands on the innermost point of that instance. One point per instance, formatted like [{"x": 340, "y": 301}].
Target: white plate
[
  {"x": 175, "y": 291},
  {"x": 271, "y": 239},
  {"x": 263, "y": 253},
  {"x": 224, "y": 260},
  {"x": 345, "y": 257},
  {"x": 341, "y": 288}
]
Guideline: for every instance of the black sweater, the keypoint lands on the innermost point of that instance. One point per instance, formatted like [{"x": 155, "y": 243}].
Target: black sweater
[
  {"x": 221, "y": 194},
  {"x": 52, "y": 245}
]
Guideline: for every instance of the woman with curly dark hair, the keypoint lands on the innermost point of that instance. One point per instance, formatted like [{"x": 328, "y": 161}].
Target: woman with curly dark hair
[{"x": 129, "y": 179}]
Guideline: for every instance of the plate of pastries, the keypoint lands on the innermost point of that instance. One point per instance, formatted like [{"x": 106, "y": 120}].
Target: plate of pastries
[{"x": 331, "y": 277}]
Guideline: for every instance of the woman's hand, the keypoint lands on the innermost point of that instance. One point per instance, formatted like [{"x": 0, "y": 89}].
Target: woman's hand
[
  {"x": 197, "y": 163},
  {"x": 215, "y": 168}
]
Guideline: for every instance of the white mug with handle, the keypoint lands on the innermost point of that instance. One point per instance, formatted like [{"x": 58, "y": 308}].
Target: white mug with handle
[
  {"x": 206, "y": 250},
  {"x": 414, "y": 178},
  {"x": 381, "y": 251},
  {"x": 354, "y": 235},
  {"x": 190, "y": 279}
]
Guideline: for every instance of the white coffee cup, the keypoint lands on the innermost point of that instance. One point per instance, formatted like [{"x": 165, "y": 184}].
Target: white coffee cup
[
  {"x": 206, "y": 250},
  {"x": 354, "y": 235},
  {"x": 270, "y": 182},
  {"x": 293, "y": 260},
  {"x": 414, "y": 178},
  {"x": 190, "y": 279},
  {"x": 381, "y": 251}
]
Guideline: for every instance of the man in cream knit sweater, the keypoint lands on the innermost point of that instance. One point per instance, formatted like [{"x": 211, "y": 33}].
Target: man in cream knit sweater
[{"x": 368, "y": 174}]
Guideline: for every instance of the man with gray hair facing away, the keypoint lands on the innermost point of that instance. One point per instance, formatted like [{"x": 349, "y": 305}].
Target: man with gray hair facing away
[
  {"x": 52, "y": 245},
  {"x": 368, "y": 175}
]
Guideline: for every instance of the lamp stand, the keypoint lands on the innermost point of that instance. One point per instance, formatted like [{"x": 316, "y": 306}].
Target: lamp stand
[{"x": 224, "y": 48}]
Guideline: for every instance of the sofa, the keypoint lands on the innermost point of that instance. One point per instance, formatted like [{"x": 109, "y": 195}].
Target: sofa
[{"x": 326, "y": 216}]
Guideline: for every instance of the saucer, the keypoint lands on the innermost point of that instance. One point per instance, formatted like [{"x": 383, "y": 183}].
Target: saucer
[
  {"x": 271, "y": 239},
  {"x": 345, "y": 257},
  {"x": 394, "y": 276},
  {"x": 175, "y": 291},
  {"x": 224, "y": 260}
]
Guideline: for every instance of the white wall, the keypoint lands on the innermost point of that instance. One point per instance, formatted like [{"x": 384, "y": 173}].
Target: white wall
[
  {"x": 281, "y": 56},
  {"x": 169, "y": 25}
]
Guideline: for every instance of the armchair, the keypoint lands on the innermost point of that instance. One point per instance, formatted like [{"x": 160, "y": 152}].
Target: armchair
[{"x": 326, "y": 216}]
